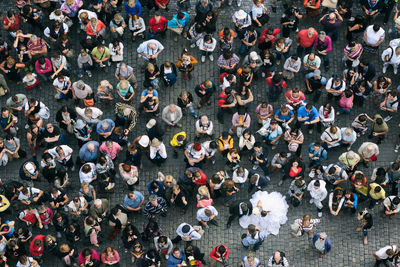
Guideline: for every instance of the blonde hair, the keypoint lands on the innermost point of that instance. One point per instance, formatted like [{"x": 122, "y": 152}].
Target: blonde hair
[
  {"x": 104, "y": 83},
  {"x": 207, "y": 84},
  {"x": 150, "y": 67},
  {"x": 203, "y": 191},
  {"x": 124, "y": 85},
  {"x": 69, "y": 2},
  {"x": 83, "y": 185},
  {"x": 169, "y": 178},
  {"x": 84, "y": 15},
  {"x": 64, "y": 248}
]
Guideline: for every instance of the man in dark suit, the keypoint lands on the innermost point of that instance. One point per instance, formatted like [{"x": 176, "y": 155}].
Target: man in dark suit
[
  {"x": 238, "y": 209},
  {"x": 257, "y": 181}
]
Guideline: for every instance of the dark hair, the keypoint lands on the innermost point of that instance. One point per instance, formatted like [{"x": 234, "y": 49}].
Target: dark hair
[
  {"x": 317, "y": 183},
  {"x": 396, "y": 200},
  {"x": 257, "y": 144},
  {"x": 332, "y": 170},
  {"x": 376, "y": 27},
  {"x": 221, "y": 249},
  {"x": 180, "y": 15}
]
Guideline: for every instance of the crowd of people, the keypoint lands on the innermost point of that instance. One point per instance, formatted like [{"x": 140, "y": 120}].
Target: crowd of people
[{"x": 50, "y": 47}]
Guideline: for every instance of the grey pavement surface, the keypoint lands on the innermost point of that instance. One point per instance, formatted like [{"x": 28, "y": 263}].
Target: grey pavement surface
[{"x": 348, "y": 249}]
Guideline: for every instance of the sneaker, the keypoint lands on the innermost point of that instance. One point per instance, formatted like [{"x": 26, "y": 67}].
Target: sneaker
[
  {"x": 26, "y": 126},
  {"x": 320, "y": 214},
  {"x": 203, "y": 59},
  {"x": 388, "y": 118},
  {"x": 109, "y": 63},
  {"x": 384, "y": 69},
  {"x": 80, "y": 75},
  {"x": 311, "y": 201},
  {"x": 255, "y": 167},
  {"x": 239, "y": 3},
  {"x": 89, "y": 74},
  {"x": 212, "y": 58},
  {"x": 193, "y": 45},
  {"x": 352, "y": 19},
  {"x": 310, "y": 131},
  {"x": 73, "y": 168},
  {"x": 395, "y": 70},
  {"x": 45, "y": 226},
  {"x": 263, "y": 74},
  {"x": 213, "y": 161},
  {"x": 396, "y": 149}
]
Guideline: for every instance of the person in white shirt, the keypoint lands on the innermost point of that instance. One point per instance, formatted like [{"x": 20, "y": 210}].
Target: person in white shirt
[
  {"x": 207, "y": 45},
  {"x": 91, "y": 115},
  {"x": 326, "y": 116},
  {"x": 391, "y": 56},
  {"x": 210, "y": 147},
  {"x": 207, "y": 216},
  {"x": 30, "y": 195},
  {"x": 186, "y": 232},
  {"x": 292, "y": 65},
  {"x": 204, "y": 127},
  {"x": 148, "y": 51},
  {"x": 158, "y": 152},
  {"x": 335, "y": 87},
  {"x": 62, "y": 84},
  {"x": 349, "y": 136},
  {"x": 87, "y": 173},
  {"x": 63, "y": 154},
  {"x": 239, "y": 176},
  {"x": 331, "y": 137},
  {"x": 54, "y": 31},
  {"x": 77, "y": 207},
  {"x": 194, "y": 155},
  {"x": 374, "y": 35},
  {"x": 318, "y": 193},
  {"x": 384, "y": 254}
]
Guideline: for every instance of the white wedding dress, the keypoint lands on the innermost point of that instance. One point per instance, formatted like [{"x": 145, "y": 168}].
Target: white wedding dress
[{"x": 275, "y": 203}]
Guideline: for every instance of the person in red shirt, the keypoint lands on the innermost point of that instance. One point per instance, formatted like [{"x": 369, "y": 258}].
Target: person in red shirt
[
  {"x": 163, "y": 4},
  {"x": 276, "y": 84},
  {"x": 295, "y": 97},
  {"x": 96, "y": 28},
  {"x": 226, "y": 99},
  {"x": 157, "y": 25},
  {"x": 199, "y": 178},
  {"x": 220, "y": 255},
  {"x": 305, "y": 41},
  {"x": 11, "y": 23},
  {"x": 36, "y": 248}
]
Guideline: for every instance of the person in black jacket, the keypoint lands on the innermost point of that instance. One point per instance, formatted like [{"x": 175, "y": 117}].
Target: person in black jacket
[
  {"x": 366, "y": 69},
  {"x": 168, "y": 73},
  {"x": 129, "y": 236},
  {"x": 193, "y": 253},
  {"x": 259, "y": 157},
  {"x": 185, "y": 101},
  {"x": 238, "y": 209},
  {"x": 257, "y": 181},
  {"x": 151, "y": 258}
]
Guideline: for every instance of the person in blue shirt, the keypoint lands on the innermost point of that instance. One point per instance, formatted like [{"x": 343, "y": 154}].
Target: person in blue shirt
[
  {"x": 105, "y": 128},
  {"x": 273, "y": 133},
  {"x": 133, "y": 7},
  {"x": 284, "y": 115},
  {"x": 155, "y": 187},
  {"x": 350, "y": 201},
  {"x": 322, "y": 243},
  {"x": 309, "y": 116},
  {"x": 133, "y": 201},
  {"x": 316, "y": 154},
  {"x": 178, "y": 23},
  {"x": 177, "y": 258},
  {"x": 89, "y": 152}
]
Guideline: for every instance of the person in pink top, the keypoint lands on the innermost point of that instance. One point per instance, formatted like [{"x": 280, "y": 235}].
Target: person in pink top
[
  {"x": 44, "y": 68},
  {"x": 110, "y": 148},
  {"x": 346, "y": 102},
  {"x": 88, "y": 255},
  {"x": 305, "y": 40},
  {"x": 323, "y": 46},
  {"x": 46, "y": 215},
  {"x": 110, "y": 257}
]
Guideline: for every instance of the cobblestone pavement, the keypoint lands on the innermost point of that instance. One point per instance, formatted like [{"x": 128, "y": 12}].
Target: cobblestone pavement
[{"x": 348, "y": 249}]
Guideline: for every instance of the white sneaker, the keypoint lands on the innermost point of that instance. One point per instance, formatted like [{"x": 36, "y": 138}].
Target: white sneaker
[
  {"x": 263, "y": 74},
  {"x": 239, "y": 3},
  {"x": 212, "y": 58},
  {"x": 396, "y": 149},
  {"x": 352, "y": 19},
  {"x": 320, "y": 214},
  {"x": 311, "y": 201},
  {"x": 89, "y": 73},
  {"x": 193, "y": 45},
  {"x": 388, "y": 118},
  {"x": 310, "y": 131},
  {"x": 26, "y": 126},
  {"x": 203, "y": 59},
  {"x": 395, "y": 70},
  {"x": 384, "y": 69}
]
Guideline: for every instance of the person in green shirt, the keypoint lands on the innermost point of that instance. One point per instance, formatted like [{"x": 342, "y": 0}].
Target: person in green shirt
[
  {"x": 379, "y": 128},
  {"x": 101, "y": 55},
  {"x": 16, "y": 103}
]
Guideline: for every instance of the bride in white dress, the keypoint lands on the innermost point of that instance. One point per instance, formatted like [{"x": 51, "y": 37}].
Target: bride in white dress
[{"x": 269, "y": 212}]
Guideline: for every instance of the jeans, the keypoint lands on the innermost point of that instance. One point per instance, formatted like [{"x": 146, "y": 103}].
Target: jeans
[
  {"x": 344, "y": 111},
  {"x": 206, "y": 53},
  {"x": 85, "y": 67},
  {"x": 192, "y": 110},
  {"x": 301, "y": 49},
  {"x": 325, "y": 58},
  {"x": 243, "y": 49}
]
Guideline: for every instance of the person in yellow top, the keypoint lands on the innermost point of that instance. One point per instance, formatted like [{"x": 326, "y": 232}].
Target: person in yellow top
[
  {"x": 225, "y": 143},
  {"x": 178, "y": 142},
  {"x": 376, "y": 194},
  {"x": 4, "y": 203}
]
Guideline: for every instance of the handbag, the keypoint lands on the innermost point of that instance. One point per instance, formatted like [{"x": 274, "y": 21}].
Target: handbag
[
  {"x": 178, "y": 30},
  {"x": 117, "y": 58},
  {"x": 373, "y": 158},
  {"x": 292, "y": 146},
  {"x": 296, "y": 229},
  {"x": 89, "y": 100}
]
